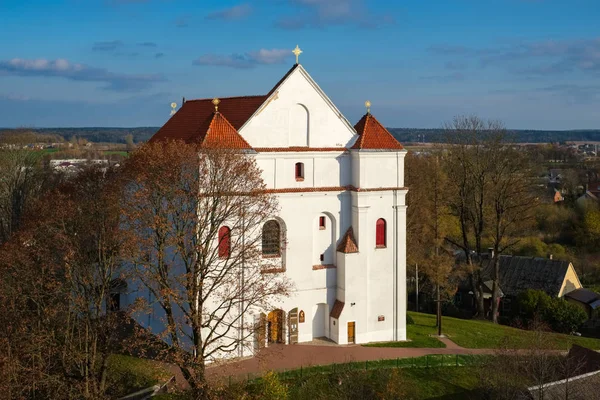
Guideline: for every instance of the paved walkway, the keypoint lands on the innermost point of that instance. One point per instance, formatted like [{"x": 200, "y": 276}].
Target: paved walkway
[{"x": 282, "y": 357}]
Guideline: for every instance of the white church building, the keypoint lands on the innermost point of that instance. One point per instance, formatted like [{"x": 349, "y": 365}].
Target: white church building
[{"x": 341, "y": 195}]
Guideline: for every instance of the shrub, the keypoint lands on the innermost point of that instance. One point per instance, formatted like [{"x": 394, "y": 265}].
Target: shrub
[
  {"x": 272, "y": 388},
  {"x": 533, "y": 303},
  {"x": 559, "y": 314},
  {"x": 409, "y": 320},
  {"x": 563, "y": 316}
]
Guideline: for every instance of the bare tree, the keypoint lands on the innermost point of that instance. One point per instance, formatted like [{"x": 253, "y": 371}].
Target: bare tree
[
  {"x": 467, "y": 168},
  {"x": 512, "y": 203},
  {"x": 196, "y": 217},
  {"x": 22, "y": 179},
  {"x": 489, "y": 189}
]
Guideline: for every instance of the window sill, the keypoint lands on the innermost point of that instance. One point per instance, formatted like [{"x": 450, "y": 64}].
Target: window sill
[
  {"x": 299, "y": 179},
  {"x": 271, "y": 256},
  {"x": 325, "y": 266},
  {"x": 321, "y": 228},
  {"x": 272, "y": 271},
  {"x": 380, "y": 246}
]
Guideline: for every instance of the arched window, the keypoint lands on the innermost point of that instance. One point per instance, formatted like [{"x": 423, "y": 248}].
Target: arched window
[
  {"x": 271, "y": 239},
  {"x": 224, "y": 242},
  {"x": 299, "y": 171},
  {"x": 380, "y": 233}
]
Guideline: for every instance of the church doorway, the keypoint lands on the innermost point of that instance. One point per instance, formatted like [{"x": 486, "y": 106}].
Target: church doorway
[
  {"x": 275, "y": 326},
  {"x": 351, "y": 334}
]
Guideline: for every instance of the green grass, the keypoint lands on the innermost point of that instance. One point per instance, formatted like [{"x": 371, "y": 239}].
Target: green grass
[
  {"x": 418, "y": 335},
  {"x": 119, "y": 152},
  {"x": 411, "y": 383},
  {"x": 477, "y": 334},
  {"x": 451, "y": 383},
  {"x": 430, "y": 361},
  {"x": 128, "y": 374}
]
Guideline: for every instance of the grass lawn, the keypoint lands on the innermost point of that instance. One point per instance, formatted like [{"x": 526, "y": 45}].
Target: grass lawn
[
  {"x": 418, "y": 335},
  {"x": 476, "y": 334},
  {"x": 449, "y": 383}
]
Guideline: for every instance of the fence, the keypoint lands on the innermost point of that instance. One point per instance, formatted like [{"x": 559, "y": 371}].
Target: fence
[{"x": 429, "y": 361}]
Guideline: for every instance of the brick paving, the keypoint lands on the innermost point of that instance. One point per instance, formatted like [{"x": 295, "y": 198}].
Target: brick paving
[{"x": 282, "y": 357}]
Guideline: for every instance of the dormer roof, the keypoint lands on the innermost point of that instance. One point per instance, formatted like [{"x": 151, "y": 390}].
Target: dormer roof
[{"x": 374, "y": 136}]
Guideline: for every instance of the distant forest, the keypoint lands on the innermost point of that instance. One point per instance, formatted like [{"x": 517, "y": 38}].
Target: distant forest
[
  {"x": 519, "y": 136},
  {"x": 117, "y": 135}
]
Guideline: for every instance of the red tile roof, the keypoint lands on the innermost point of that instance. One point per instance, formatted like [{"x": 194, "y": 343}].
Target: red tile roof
[
  {"x": 193, "y": 119},
  {"x": 348, "y": 244},
  {"x": 374, "y": 136},
  {"x": 337, "y": 308},
  {"x": 222, "y": 135}
]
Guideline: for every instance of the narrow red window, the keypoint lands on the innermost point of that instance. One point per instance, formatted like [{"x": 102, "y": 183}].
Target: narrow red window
[
  {"x": 321, "y": 222},
  {"x": 380, "y": 233},
  {"x": 299, "y": 171},
  {"x": 224, "y": 242}
]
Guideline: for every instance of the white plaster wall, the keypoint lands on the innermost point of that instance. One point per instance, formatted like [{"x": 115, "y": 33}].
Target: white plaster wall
[
  {"x": 324, "y": 240},
  {"x": 279, "y": 123},
  {"x": 373, "y": 169},
  {"x": 321, "y": 169}
]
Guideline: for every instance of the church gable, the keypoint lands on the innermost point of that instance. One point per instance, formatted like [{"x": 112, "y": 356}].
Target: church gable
[{"x": 297, "y": 113}]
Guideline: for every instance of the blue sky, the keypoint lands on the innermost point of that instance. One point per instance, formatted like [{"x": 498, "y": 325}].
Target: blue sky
[{"x": 534, "y": 64}]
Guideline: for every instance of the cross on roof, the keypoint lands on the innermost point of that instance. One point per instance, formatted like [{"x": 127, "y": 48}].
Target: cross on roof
[{"x": 297, "y": 52}]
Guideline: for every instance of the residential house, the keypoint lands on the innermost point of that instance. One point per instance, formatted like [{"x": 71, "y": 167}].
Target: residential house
[{"x": 517, "y": 274}]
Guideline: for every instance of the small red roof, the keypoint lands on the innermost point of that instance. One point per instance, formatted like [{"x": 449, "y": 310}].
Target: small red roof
[
  {"x": 222, "y": 135},
  {"x": 192, "y": 121},
  {"x": 348, "y": 244},
  {"x": 374, "y": 136},
  {"x": 337, "y": 309}
]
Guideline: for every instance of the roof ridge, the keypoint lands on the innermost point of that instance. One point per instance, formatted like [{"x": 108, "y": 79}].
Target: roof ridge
[
  {"x": 226, "y": 98},
  {"x": 282, "y": 79}
]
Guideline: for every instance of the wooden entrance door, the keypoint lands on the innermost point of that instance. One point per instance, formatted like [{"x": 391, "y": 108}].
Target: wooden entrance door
[
  {"x": 261, "y": 328},
  {"x": 275, "y": 324},
  {"x": 351, "y": 338},
  {"x": 293, "y": 325}
]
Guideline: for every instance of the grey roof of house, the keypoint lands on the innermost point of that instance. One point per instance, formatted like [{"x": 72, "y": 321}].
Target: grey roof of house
[
  {"x": 585, "y": 296},
  {"x": 518, "y": 274}
]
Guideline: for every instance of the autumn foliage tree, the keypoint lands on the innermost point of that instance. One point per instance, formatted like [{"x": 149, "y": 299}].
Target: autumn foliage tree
[
  {"x": 195, "y": 217},
  {"x": 58, "y": 272},
  {"x": 429, "y": 222}
]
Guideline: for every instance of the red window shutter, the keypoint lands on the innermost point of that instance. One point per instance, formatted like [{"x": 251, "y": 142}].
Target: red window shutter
[
  {"x": 380, "y": 233},
  {"x": 224, "y": 242},
  {"x": 322, "y": 222}
]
